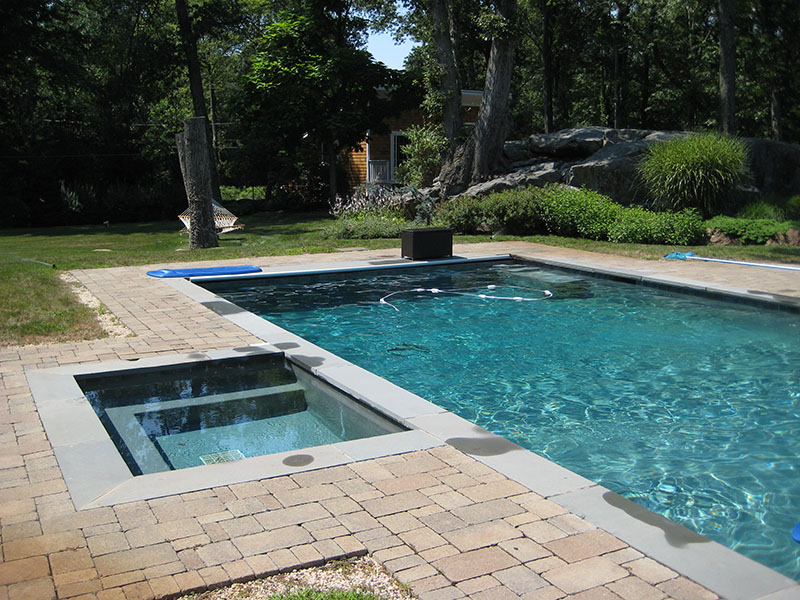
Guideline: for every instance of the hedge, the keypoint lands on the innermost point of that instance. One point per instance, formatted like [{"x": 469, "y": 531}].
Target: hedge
[{"x": 570, "y": 212}]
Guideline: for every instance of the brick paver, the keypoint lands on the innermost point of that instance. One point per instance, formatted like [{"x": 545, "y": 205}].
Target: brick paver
[{"x": 445, "y": 524}]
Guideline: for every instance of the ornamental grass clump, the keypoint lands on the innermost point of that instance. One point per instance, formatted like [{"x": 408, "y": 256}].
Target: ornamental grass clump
[{"x": 697, "y": 171}]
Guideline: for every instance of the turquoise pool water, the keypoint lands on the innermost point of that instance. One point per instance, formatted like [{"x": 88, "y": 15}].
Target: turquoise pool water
[{"x": 686, "y": 405}]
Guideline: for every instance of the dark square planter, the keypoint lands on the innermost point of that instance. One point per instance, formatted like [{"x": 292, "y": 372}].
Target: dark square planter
[{"x": 432, "y": 242}]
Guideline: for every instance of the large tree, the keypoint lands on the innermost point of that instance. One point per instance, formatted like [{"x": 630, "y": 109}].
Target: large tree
[
  {"x": 315, "y": 86},
  {"x": 482, "y": 151},
  {"x": 727, "y": 66}
]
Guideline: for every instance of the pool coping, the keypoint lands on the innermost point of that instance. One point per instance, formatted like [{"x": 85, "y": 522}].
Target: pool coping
[{"x": 718, "y": 568}]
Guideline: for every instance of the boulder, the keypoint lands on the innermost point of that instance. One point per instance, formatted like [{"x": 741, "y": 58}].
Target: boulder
[
  {"x": 718, "y": 238},
  {"x": 622, "y": 136},
  {"x": 775, "y": 166},
  {"x": 516, "y": 151},
  {"x": 577, "y": 143},
  {"x": 790, "y": 238},
  {"x": 611, "y": 171},
  {"x": 536, "y": 175},
  {"x": 777, "y": 240},
  {"x": 663, "y": 136}
]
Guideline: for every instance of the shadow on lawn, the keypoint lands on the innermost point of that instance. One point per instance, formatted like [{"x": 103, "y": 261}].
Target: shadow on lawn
[{"x": 257, "y": 223}]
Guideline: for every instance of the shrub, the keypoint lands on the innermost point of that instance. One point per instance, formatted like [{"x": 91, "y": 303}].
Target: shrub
[
  {"x": 419, "y": 207},
  {"x": 750, "y": 231},
  {"x": 792, "y": 207},
  {"x": 364, "y": 227},
  {"x": 698, "y": 171},
  {"x": 570, "y": 212},
  {"x": 463, "y": 214},
  {"x": 637, "y": 225},
  {"x": 423, "y": 156},
  {"x": 516, "y": 212},
  {"x": 761, "y": 209},
  {"x": 232, "y": 193},
  {"x": 575, "y": 212}
]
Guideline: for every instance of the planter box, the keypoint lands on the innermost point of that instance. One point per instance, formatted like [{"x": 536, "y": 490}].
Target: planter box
[{"x": 432, "y": 242}]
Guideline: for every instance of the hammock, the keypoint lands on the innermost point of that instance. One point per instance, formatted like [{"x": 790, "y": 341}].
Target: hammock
[{"x": 224, "y": 220}]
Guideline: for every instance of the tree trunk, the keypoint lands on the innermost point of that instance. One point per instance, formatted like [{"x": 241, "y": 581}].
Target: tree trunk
[
  {"x": 332, "y": 182},
  {"x": 449, "y": 84},
  {"x": 482, "y": 152},
  {"x": 189, "y": 44},
  {"x": 776, "y": 114},
  {"x": 194, "y": 156},
  {"x": 547, "y": 65},
  {"x": 727, "y": 67},
  {"x": 621, "y": 66},
  {"x": 492, "y": 122}
]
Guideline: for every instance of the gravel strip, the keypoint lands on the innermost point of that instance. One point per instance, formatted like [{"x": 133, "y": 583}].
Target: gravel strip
[
  {"x": 361, "y": 574},
  {"x": 110, "y": 324}
]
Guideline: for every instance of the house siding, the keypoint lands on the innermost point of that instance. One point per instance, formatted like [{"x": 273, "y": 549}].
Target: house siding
[{"x": 355, "y": 161}]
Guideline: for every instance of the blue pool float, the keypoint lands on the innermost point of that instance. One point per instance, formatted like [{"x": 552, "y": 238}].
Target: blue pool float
[
  {"x": 202, "y": 271},
  {"x": 796, "y": 533}
]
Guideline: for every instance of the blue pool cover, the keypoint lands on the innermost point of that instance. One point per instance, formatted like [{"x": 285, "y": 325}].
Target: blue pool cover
[{"x": 201, "y": 271}]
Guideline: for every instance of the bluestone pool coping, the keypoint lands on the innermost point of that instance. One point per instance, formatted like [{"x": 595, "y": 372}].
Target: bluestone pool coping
[{"x": 720, "y": 569}]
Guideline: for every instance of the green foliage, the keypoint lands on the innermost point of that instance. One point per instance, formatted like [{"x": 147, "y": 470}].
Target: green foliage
[
  {"x": 697, "y": 171},
  {"x": 426, "y": 145},
  {"x": 792, "y": 207},
  {"x": 464, "y": 214},
  {"x": 761, "y": 209},
  {"x": 750, "y": 231},
  {"x": 365, "y": 227},
  {"x": 577, "y": 212},
  {"x": 230, "y": 192},
  {"x": 569, "y": 212},
  {"x": 640, "y": 226},
  {"x": 771, "y": 207},
  {"x": 311, "y": 86}
]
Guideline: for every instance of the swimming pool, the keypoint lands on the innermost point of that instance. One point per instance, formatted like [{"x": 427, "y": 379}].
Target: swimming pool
[{"x": 686, "y": 405}]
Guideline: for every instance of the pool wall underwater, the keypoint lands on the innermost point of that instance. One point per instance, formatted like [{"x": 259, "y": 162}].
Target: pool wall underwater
[{"x": 726, "y": 572}]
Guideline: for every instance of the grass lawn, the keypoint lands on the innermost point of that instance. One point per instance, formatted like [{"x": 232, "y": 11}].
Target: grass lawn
[{"x": 36, "y": 306}]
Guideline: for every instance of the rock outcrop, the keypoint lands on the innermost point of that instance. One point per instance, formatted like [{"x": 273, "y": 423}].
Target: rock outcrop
[{"x": 606, "y": 160}]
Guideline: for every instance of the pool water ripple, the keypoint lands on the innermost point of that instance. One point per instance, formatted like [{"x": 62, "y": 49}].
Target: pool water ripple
[{"x": 688, "y": 406}]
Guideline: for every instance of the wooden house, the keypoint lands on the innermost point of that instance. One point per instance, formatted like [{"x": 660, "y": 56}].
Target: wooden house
[{"x": 379, "y": 155}]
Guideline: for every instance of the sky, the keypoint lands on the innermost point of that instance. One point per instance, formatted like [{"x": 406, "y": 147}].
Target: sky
[{"x": 385, "y": 50}]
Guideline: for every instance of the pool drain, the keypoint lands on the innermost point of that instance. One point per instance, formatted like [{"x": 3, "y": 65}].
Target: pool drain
[{"x": 222, "y": 457}]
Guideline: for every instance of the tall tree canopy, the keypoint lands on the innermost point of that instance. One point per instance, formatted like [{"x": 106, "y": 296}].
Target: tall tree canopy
[
  {"x": 315, "y": 85},
  {"x": 93, "y": 91}
]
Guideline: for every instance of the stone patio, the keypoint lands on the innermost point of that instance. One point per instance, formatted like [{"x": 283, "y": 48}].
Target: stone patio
[{"x": 441, "y": 521}]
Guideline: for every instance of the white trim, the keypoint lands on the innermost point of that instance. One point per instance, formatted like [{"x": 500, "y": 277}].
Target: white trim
[
  {"x": 369, "y": 150},
  {"x": 393, "y": 152}
]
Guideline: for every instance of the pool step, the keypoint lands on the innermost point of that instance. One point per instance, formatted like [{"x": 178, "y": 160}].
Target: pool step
[{"x": 141, "y": 425}]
